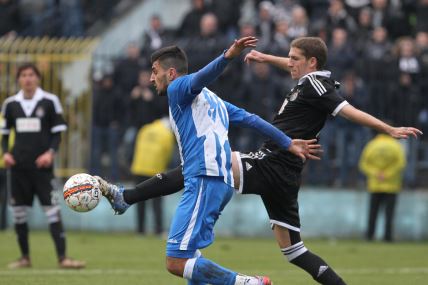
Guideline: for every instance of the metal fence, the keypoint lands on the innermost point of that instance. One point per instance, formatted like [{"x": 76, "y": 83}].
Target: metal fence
[{"x": 65, "y": 66}]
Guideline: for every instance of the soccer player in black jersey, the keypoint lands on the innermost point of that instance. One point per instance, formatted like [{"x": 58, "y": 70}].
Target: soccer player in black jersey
[
  {"x": 36, "y": 118},
  {"x": 275, "y": 174}
]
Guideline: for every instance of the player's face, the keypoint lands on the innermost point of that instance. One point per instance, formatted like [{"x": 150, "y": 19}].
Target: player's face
[
  {"x": 299, "y": 65},
  {"x": 159, "y": 78},
  {"x": 28, "y": 80}
]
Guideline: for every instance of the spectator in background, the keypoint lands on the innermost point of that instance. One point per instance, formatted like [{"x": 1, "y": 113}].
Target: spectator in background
[
  {"x": 265, "y": 24},
  {"x": 340, "y": 53},
  {"x": 228, "y": 13},
  {"x": 107, "y": 113},
  {"x": 262, "y": 93},
  {"x": 207, "y": 44},
  {"x": 365, "y": 28},
  {"x": 126, "y": 69},
  {"x": 383, "y": 161},
  {"x": 153, "y": 151},
  {"x": 376, "y": 69},
  {"x": 299, "y": 23},
  {"x": 281, "y": 40},
  {"x": 156, "y": 36},
  {"x": 338, "y": 17},
  {"x": 10, "y": 19},
  {"x": 350, "y": 137},
  {"x": 408, "y": 77},
  {"x": 39, "y": 17},
  {"x": 190, "y": 26},
  {"x": 71, "y": 18},
  {"x": 143, "y": 107}
]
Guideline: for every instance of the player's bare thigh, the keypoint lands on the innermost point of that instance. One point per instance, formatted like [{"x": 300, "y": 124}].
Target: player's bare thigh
[{"x": 235, "y": 169}]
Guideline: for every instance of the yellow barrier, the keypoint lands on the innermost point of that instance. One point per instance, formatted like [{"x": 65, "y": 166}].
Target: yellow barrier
[{"x": 65, "y": 67}]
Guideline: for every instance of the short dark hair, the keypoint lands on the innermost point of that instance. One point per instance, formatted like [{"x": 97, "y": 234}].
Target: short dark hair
[
  {"x": 171, "y": 56},
  {"x": 312, "y": 47},
  {"x": 26, "y": 66}
]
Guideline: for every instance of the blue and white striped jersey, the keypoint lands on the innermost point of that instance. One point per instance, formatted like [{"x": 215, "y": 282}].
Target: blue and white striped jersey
[{"x": 201, "y": 123}]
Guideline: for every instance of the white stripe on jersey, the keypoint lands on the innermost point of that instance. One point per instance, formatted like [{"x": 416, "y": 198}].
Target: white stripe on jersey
[
  {"x": 211, "y": 120},
  {"x": 188, "y": 234},
  {"x": 317, "y": 84},
  {"x": 339, "y": 107}
]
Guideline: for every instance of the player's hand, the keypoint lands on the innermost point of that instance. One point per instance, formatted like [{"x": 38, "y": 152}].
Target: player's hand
[
  {"x": 239, "y": 45},
  {"x": 45, "y": 160},
  {"x": 254, "y": 55},
  {"x": 404, "y": 132},
  {"x": 9, "y": 160},
  {"x": 306, "y": 149}
]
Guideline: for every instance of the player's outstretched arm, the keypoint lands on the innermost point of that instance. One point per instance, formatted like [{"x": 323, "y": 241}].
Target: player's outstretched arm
[
  {"x": 353, "y": 114},
  {"x": 278, "y": 61}
]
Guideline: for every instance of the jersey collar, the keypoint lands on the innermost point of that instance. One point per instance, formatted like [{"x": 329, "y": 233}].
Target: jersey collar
[
  {"x": 324, "y": 73},
  {"x": 38, "y": 95}
]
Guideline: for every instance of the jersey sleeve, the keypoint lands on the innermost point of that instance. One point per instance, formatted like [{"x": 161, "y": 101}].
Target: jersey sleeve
[
  {"x": 323, "y": 96},
  {"x": 58, "y": 123}
]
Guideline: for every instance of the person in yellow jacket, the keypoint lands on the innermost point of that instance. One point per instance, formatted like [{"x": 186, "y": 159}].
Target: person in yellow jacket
[
  {"x": 383, "y": 161},
  {"x": 153, "y": 150}
]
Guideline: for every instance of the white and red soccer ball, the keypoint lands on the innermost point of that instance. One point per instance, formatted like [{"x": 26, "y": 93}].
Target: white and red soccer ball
[{"x": 82, "y": 192}]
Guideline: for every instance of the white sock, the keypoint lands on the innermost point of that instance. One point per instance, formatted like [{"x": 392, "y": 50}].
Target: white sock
[
  {"x": 246, "y": 280},
  {"x": 188, "y": 268}
]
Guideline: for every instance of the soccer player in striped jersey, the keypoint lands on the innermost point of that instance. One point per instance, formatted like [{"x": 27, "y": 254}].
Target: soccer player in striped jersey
[{"x": 200, "y": 121}]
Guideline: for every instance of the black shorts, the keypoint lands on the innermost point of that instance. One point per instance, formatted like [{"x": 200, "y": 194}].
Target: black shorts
[
  {"x": 276, "y": 177},
  {"x": 26, "y": 183}
]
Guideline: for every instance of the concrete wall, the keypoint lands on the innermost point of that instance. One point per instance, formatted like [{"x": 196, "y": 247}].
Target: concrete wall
[{"x": 324, "y": 213}]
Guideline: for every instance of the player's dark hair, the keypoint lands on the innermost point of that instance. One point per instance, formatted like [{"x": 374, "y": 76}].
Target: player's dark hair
[
  {"x": 312, "y": 47},
  {"x": 26, "y": 66},
  {"x": 171, "y": 56}
]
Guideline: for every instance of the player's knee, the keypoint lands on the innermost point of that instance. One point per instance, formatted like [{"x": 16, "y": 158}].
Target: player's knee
[
  {"x": 20, "y": 214},
  {"x": 175, "y": 265},
  {"x": 52, "y": 213}
]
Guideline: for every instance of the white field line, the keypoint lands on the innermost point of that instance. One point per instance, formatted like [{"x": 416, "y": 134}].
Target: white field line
[{"x": 349, "y": 271}]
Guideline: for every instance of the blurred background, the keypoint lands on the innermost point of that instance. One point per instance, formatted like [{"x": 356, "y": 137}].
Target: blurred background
[{"x": 95, "y": 55}]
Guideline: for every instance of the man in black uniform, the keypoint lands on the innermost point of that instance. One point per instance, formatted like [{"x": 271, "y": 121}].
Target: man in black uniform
[
  {"x": 270, "y": 172},
  {"x": 36, "y": 118}
]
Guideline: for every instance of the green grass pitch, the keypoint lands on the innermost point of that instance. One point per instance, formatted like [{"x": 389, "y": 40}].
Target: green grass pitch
[{"x": 127, "y": 259}]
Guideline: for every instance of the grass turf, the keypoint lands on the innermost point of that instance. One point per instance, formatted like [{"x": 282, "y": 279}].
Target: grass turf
[{"x": 131, "y": 259}]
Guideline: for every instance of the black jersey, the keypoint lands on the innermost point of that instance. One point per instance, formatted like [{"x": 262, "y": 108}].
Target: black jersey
[
  {"x": 306, "y": 107},
  {"x": 34, "y": 122}
]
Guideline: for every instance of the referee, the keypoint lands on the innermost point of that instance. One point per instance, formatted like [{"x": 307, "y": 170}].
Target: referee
[{"x": 36, "y": 118}]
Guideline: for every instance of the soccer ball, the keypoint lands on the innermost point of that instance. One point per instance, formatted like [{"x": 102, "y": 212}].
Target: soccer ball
[{"x": 82, "y": 192}]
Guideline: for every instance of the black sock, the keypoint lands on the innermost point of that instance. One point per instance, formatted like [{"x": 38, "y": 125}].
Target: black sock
[
  {"x": 58, "y": 236},
  {"x": 159, "y": 185},
  {"x": 318, "y": 268},
  {"x": 22, "y": 237}
]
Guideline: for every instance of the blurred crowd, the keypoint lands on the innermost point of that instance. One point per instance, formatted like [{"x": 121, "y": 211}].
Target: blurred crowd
[
  {"x": 54, "y": 18},
  {"x": 378, "y": 51}
]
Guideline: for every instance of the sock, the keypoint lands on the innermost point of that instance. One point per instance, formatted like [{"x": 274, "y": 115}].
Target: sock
[
  {"x": 318, "y": 268},
  {"x": 159, "y": 185},
  {"x": 22, "y": 237},
  {"x": 202, "y": 271},
  {"x": 58, "y": 236}
]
